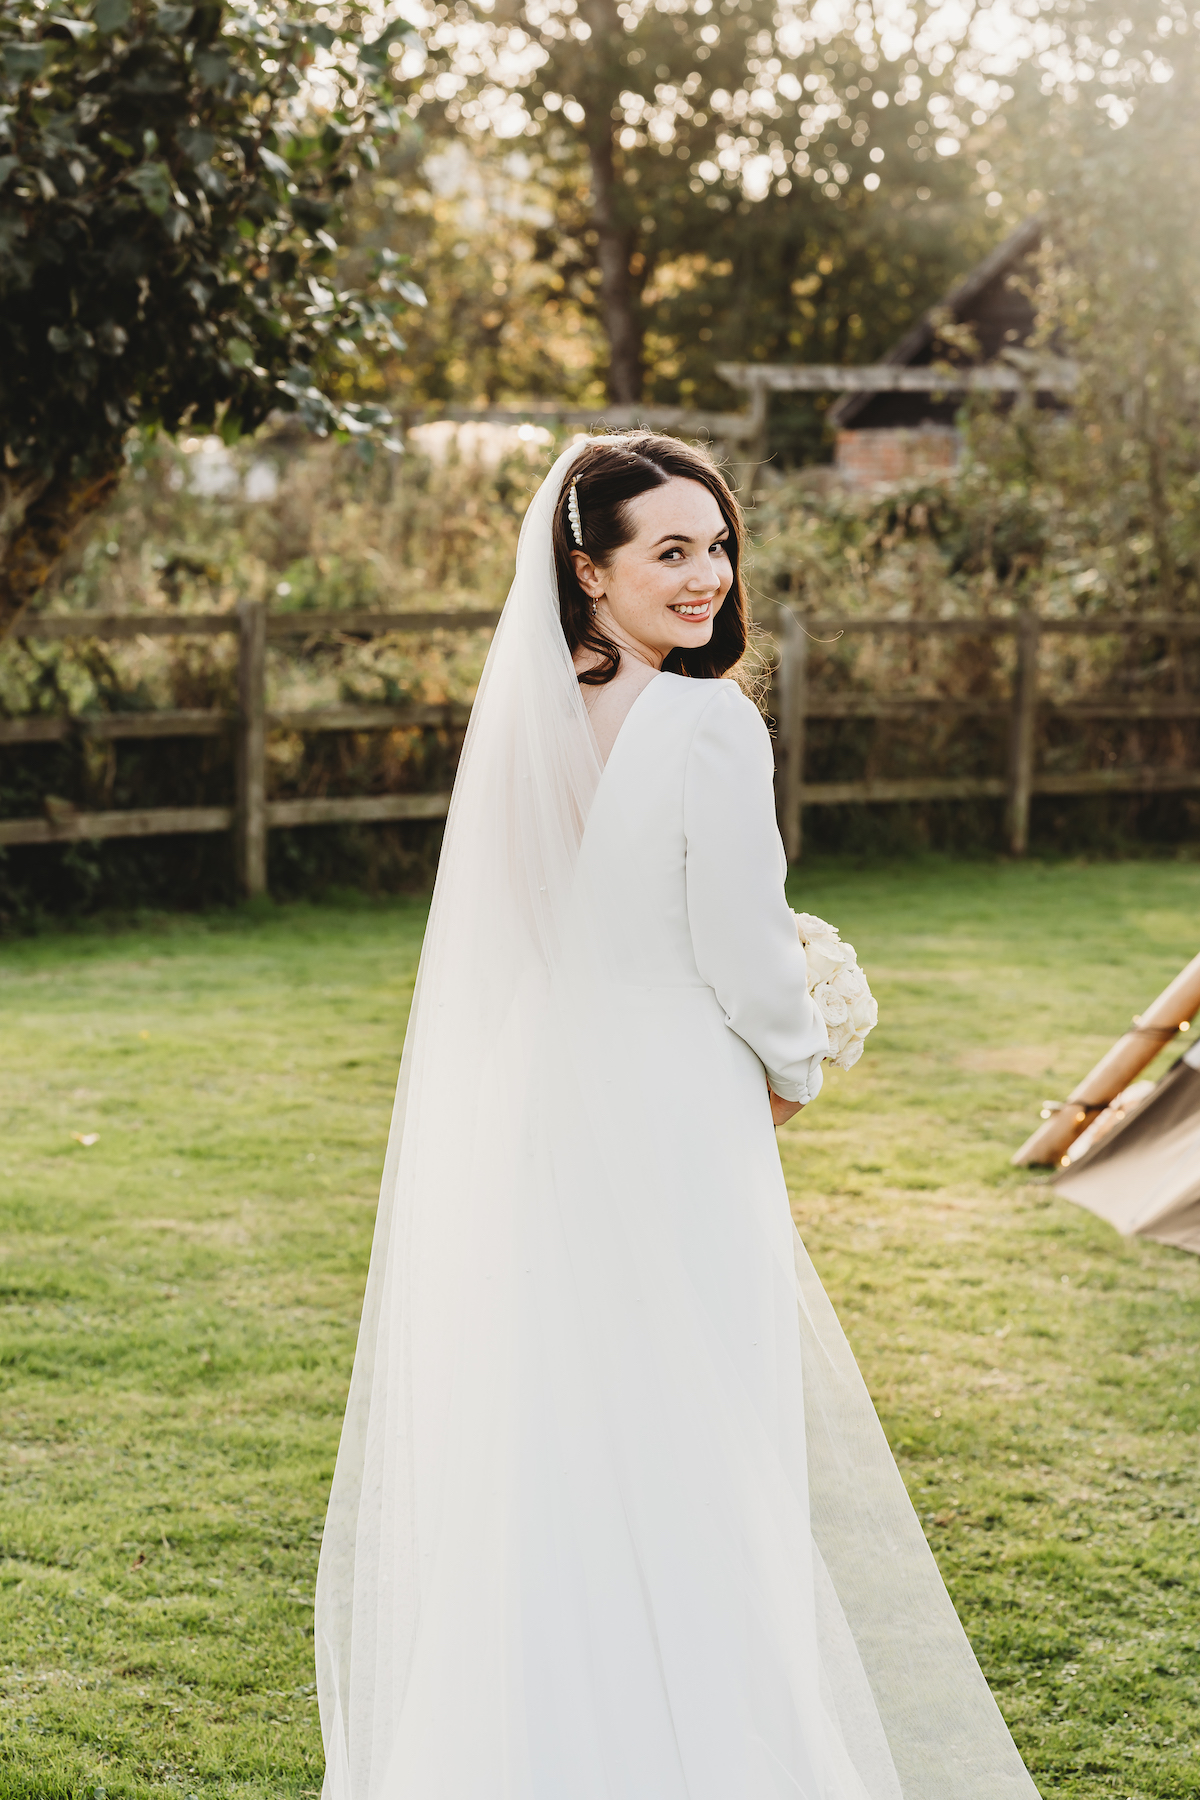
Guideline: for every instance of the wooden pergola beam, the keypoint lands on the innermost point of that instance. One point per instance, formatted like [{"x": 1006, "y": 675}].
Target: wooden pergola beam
[{"x": 1051, "y": 377}]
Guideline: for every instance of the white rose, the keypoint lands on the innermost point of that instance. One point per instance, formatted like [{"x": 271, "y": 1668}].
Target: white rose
[
  {"x": 864, "y": 1010},
  {"x": 850, "y": 1055},
  {"x": 850, "y": 983},
  {"x": 823, "y": 959},
  {"x": 812, "y": 929},
  {"x": 833, "y": 1008}
]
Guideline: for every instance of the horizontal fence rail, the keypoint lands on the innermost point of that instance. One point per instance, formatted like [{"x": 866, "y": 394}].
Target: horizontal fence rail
[
  {"x": 252, "y": 815},
  {"x": 115, "y": 626},
  {"x": 204, "y": 722},
  {"x": 793, "y": 702}
]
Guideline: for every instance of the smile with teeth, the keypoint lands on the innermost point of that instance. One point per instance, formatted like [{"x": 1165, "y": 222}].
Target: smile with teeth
[{"x": 692, "y": 609}]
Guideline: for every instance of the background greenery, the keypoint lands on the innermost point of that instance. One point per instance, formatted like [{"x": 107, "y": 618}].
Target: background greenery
[
  {"x": 165, "y": 184},
  {"x": 313, "y": 527},
  {"x": 180, "y": 1301}
]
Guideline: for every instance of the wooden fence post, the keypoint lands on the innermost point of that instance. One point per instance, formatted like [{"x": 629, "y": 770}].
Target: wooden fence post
[
  {"x": 250, "y": 818},
  {"x": 791, "y": 681},
  {"x": 1024, "y": 720},
  {"x": 757, "y": 447}
]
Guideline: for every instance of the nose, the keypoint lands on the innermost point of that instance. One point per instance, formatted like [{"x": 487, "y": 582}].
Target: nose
[{"x": 707, "y": 579}]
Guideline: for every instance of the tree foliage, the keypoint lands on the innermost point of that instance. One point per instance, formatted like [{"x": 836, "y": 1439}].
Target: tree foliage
[
  {"x": 501, "y": 323},
  {"x": 701, "y": 159},
  {"x": 169, "y": 176},
  {"x": 1114, "y": 481}
]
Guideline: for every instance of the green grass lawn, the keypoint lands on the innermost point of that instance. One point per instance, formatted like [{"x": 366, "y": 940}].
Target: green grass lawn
[{"x": 180, "y": 1300}]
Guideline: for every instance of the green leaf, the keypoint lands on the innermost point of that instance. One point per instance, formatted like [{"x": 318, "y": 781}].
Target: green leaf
[
  {"x": 275, "y": 163},
  {"x": 173, "y": 19},
  {"x": 7, "y": 165},
  {"x": 110, "y": 15},
  {"x": 153, "y": 183},
  {"x": 196, "y": 143},
  {"x": 116, "y": 143},
  {"x": 23, "y": 60},
  {"x": 211, "y": 68},
  {"x": 78, "y": 29},
  {"x": 240, "y": 353},
  {"x": 375, "y": 54},
  {"x": 412, "y": 293}
]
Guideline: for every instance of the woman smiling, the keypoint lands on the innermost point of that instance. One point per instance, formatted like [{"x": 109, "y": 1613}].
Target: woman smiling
[{"x": 613, "y": 1518}]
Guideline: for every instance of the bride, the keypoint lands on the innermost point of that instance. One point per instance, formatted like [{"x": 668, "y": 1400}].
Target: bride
[{"x": 613, "y": 1517}]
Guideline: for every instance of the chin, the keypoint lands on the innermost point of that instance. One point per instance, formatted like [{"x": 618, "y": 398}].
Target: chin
[{"x": 693, "y": 638}]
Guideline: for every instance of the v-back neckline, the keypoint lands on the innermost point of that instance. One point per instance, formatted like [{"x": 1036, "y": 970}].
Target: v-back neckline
[{"x": 633, "y": 707}]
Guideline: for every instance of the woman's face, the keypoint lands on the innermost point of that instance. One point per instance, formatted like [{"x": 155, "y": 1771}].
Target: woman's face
[{"x": 663, "y": 589}]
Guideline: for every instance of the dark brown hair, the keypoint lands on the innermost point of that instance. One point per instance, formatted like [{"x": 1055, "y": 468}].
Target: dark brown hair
[{"x": 610, "y": 473}]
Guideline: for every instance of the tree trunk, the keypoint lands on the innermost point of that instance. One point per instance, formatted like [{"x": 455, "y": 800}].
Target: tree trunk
[
  {"x": 38, "y": 519},
  {"x": 616, "y": 236}
]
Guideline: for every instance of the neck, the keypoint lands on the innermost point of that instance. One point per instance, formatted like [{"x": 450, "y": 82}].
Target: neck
[{"x": 626, "y": 643}]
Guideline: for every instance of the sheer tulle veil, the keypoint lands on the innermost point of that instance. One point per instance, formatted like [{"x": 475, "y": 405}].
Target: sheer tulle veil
[
  {"x": 427, "y": 1614},
  {"x": 426, "y": 1403}
]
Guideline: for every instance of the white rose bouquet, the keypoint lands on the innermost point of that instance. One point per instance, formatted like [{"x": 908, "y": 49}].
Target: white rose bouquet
[{"x": 839, "y": 987}]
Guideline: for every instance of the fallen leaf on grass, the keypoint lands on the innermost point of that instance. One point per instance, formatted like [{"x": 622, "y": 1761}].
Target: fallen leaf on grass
[
  {"x": 86, "y": 1138},
  {"x": 138, "y": 1560}
]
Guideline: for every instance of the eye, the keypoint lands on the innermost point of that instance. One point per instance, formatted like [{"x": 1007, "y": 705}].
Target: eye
[
  {"x": 667, "y": 554},
  {"x": 720, "y": 546}
]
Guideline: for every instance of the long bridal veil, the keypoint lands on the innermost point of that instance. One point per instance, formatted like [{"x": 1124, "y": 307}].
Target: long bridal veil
[{"x": 444, "y": 1670}]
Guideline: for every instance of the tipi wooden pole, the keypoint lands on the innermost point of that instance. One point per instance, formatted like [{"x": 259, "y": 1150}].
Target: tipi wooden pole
[{"x": 1175, "y": 1006}]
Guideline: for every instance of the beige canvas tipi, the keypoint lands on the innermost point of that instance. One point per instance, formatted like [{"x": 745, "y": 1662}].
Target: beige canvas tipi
[{"x": 1143, "y": 1175}]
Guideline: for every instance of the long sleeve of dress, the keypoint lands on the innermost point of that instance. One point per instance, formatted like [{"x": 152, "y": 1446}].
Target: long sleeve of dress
[{"x": 743, "y": 931}]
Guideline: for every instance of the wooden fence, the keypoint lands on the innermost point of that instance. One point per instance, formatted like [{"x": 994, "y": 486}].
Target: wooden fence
[
  {"x": 252, "y": 815},
  {"x": 793, "y": 701}
]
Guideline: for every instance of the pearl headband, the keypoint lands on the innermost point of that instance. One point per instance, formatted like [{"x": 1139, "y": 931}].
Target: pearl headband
[{"x": 573, "y": 513}]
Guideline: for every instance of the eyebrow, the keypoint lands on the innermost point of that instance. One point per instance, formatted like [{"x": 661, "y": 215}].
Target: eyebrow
[{"x": 683, "y": 537}]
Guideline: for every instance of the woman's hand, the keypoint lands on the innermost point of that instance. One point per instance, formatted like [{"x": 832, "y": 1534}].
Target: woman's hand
[{"x": 783, "y": 1110}]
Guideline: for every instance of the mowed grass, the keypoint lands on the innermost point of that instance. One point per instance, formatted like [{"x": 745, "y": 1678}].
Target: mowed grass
[{"x": 180, "y": 1301}]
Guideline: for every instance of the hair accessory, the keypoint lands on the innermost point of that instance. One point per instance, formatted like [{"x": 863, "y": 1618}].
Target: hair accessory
[{"x": 573, "y": 513}]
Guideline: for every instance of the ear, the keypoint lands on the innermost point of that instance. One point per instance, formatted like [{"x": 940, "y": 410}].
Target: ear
[{"x": 591, "y": 579}]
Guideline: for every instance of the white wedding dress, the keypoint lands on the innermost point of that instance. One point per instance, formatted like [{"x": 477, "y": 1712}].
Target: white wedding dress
[{"x": 613, "y": 1518}]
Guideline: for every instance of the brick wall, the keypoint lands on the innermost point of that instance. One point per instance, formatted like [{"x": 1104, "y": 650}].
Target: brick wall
[{"x": 865, "y": 458}]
